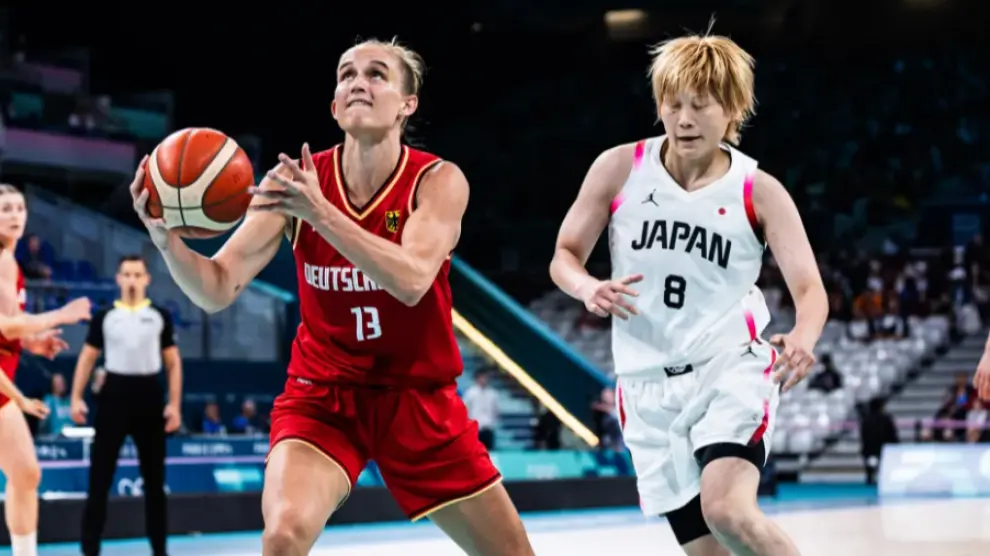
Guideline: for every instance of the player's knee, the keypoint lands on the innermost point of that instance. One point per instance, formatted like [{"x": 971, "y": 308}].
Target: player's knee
[
  {"x": 26, "y": 476},
  {"x": 727, "y": 517},
  {"x": 288, "y": 531}
]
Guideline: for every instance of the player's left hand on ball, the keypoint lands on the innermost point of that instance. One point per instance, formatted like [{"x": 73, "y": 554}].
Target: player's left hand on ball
[
  {"x": 300, "y": 194},
  {"x": 795, "y": 361}
]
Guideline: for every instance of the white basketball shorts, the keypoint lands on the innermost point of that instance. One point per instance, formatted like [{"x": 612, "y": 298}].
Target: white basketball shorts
[{"x": 730, "y": 398}]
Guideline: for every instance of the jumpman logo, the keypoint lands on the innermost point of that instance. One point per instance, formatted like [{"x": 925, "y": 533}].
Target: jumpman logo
[
  {"x": 749, "y": 348},
  {"x": 650, "y": 199}
]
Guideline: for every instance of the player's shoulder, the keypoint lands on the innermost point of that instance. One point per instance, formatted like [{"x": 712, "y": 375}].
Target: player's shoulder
[{"x": 101, "y": 314}]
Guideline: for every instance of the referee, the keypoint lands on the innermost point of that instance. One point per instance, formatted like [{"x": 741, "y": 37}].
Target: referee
[{"x": 136, "y": 338}]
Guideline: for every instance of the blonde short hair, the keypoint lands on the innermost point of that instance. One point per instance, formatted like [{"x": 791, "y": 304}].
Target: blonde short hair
[{"x": 709, "y": 64}]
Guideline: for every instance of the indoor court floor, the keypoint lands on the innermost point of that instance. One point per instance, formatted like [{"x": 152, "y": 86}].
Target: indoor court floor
[{"x": 824, "y": 521}]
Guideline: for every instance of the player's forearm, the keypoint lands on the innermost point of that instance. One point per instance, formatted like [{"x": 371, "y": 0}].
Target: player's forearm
[
  {"x": 568, "y": 272},
  {"x": 202, "y": 279},
  {"x": 811, "y": 309},
  {"x": 393, "y": 268},
  {"x": 173, "y": 370},
  {"x": 80, "y": 377},
  {"x": 25, "y": 325}
]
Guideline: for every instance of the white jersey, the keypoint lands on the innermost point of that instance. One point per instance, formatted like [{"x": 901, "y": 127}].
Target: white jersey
[{"x": 700, "y": 253}]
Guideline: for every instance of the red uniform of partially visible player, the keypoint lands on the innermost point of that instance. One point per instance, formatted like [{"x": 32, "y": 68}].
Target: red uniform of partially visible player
[
  {"x": 37, "y": 334},
  {"x": 373, "y": 368}
]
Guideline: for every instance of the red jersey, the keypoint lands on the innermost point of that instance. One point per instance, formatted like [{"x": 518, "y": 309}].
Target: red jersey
[
  {"x": 10, "y": 350},
  {"x": 352, "y": 330}
]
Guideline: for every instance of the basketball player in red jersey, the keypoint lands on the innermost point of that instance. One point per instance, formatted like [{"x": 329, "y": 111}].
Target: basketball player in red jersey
[
  {"x": 39, "y": 334},
  {"x": 372, "y": 376}
]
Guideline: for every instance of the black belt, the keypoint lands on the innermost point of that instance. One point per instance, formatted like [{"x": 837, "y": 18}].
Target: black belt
[{"x": 677, "y": 371}]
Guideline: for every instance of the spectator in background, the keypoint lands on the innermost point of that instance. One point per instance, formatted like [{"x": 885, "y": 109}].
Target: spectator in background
[
  {"x": 247, "y": 421},
  {"x": 860, "y": 328},
  {"x": 976, "y": 422},
  {"x": 482, "y": 405},
  {"x": 829, "y": 378},
  {"x": 546, "y": 432},
  {"x": 212, "y": 423},
  {"x": 876, "y": 430},
  {"x": 58, "y": 404},
  {"x": 36, "y": 260},
  {"x": 890, "y": 324},
  {"x": 607, "y": 426},
  {"x": 956, "y": 404}
]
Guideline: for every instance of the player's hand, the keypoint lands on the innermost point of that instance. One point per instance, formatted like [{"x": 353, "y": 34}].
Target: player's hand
[
  {"x": 78, "y": 410},
  {"x": 609, "y": 297},
  {"x": 157, "y": 229},
  {"x": 173, "y": 418},
  {"x": 298, "y": 194},
  {"x": 34, "y": 407},
  {"x": 76, "y": 310},
  {"x": 48, "y": 344},
  {"x": 982, "y": 379},
  {"x": 796, "y": 358}
]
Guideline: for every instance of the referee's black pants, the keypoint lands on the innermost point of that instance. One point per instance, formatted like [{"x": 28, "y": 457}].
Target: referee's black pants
[{"x": 127, "y": 405}]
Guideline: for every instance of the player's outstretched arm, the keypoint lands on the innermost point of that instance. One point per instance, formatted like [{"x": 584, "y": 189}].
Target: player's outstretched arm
[
  {"x": 580, "y": 231},
  {"x": 788, "y": 241},
  {"x": 405, "y": 270},
  {"x": 214, "y": 283},
  {"x": 16, "y": 324}
]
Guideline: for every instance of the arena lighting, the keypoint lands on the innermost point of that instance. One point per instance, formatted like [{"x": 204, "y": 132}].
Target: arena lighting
[
  {"x": 615, "y": 18},
  {"x": 508, "y": 365}
]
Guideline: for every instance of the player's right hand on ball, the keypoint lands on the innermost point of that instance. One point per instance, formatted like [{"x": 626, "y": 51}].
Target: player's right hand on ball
[
  {"x": 139, "y": 194},
  {"x": 609, "y": 297},
  {"x": 78, "y": 410},
  {"x": 77, "y": 310}
]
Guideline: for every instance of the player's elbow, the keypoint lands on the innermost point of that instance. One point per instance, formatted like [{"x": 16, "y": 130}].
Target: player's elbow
[{"x": 411, "y": 294}]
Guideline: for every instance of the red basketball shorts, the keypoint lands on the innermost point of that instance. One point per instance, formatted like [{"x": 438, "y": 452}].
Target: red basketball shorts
[{"x": 426, "y": 447}]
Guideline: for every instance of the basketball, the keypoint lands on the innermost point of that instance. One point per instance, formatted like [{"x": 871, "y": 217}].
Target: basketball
[{"x": 197, "y": 181}]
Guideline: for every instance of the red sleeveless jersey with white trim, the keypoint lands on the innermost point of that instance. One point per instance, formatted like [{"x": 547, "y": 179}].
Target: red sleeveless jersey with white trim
[
  {"x": 10, "y": 350},
  {"x": 352, "y": 330}
]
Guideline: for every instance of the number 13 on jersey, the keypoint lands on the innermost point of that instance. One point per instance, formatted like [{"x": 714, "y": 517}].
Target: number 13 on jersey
[{"x": 367, "y": 325}]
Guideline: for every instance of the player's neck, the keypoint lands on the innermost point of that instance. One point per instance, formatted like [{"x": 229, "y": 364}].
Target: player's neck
[
  {"x": 8, "y": 244},
  {"x": 132, "y": 301},
  {"x": 695, "y": 172},
  {"x": 366, "y": 165}
]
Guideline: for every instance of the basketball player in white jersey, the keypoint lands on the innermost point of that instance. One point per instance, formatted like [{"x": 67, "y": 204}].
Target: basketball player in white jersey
[{"x": 687, "y": 214}]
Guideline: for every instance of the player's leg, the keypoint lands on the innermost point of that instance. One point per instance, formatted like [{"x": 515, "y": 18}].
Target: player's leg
[
  {"x": 436, "y": 467},
  {"x": 148, "y": 432},
  {"x": 647, "y": 410},
  {"x": 692, "y": 532},
  {"x": 486, "y": 524},
  {"x": 20, "y": 465},
  {"x": 111, "y": 426},
  {"x": 314, "y": 460},
  {"x": 732, "y": 445}
]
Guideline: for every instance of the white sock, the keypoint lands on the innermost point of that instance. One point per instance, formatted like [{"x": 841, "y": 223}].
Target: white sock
[{"x": 24, "y": 545}]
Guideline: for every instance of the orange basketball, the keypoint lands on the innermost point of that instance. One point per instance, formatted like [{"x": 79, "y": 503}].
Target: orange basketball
[{"x": 197, "y": 180}]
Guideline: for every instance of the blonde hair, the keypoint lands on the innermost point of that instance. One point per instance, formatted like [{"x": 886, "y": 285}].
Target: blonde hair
[
  {"x": 6, "y": 188},
  {"x": 709, "y": 64},
  {"x": 413, "y": 66}
]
